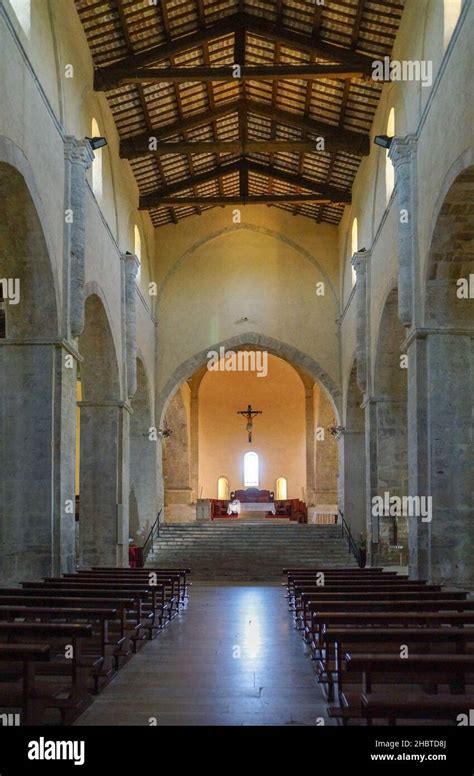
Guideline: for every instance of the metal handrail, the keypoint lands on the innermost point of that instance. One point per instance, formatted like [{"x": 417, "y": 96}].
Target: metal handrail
[
  {"x": 352, "y": 546},
  {"x": 147, "y": 546}
]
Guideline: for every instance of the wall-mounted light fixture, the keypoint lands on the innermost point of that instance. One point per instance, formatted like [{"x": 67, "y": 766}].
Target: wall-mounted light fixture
[
  {"x": 96, "y": 142},
  {"x": 384, "y": 141}
]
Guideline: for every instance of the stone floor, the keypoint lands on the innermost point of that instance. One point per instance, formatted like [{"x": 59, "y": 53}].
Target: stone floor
[{"x": 232, "y": 658}]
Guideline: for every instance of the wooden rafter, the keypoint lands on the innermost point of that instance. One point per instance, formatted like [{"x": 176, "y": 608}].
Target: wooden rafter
[
  {"x": 238, "y": 24},
  {"x": 335, "y": 137},
  {"x": 320, "y": 189},
  {"x": 250, "y": 136}
]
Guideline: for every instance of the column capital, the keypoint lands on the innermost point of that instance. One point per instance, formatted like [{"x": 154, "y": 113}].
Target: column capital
[
  {"x": 78, "y": 151},
  {"x": 402, "y": 150},
  {"x": 132, "y": 264},
  {"x": 359, "y": 260}
]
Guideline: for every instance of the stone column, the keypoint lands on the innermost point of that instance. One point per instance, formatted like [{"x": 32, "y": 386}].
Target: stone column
[
  {"x": 310, "y": 447},
  {"x": 359, "y": 262},
  {"x": 326, "y": 456},
  {"x": 37, "y": 458},
  {"x": 194, "y": 432},
  {"x": 131, "y": 271},
  {"x": 78, "y": 157},
  {"x": 104, "y": 483},
  {"x": 371, "y": 484},
  {"x": 403, "y": 156},
  {"x": 440, "y": 406},
  {"x": 353, "y": 456}
]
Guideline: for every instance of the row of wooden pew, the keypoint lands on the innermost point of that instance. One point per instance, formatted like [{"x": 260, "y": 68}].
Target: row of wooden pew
[
  {"x": 64, "y": 638},
  {"x": 386, "y": 648}
]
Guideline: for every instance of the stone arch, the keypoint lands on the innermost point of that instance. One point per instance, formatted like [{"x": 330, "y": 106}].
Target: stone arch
[
  {"x": 25, "y": 259},
  {"x": 36, "y": 447},
  {"x": 278, "y": 348},
  {"x": 443, "y": 359},
  {"x": 103, "y": 422},
  {"x": 143, "y": 473},
  {"x": 390, "y": 397},
  {"x": 451, "y": 253}
]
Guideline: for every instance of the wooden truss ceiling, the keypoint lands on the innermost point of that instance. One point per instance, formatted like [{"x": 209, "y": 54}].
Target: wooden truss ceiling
[{"x": 197, "y": 136}]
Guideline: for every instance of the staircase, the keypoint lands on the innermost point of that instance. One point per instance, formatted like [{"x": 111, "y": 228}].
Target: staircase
[{"x": 248, "y": 551}]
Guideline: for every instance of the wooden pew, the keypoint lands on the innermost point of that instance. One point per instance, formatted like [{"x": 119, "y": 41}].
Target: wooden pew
[
  {"x": 101, "y": 647},
  {"x": 414, "y": 706},
  {"x": 172, "y": 582},
  {"x": 335, "y": 642},
  {"x": 149, "y": 599},
  {"x": 28, "y": 655},
  {"x": 342, "y": 600},
  {"x": 183, "y": 574},
  {"x": 57, "y": 636},
  {"x": 418, "y": 668}
]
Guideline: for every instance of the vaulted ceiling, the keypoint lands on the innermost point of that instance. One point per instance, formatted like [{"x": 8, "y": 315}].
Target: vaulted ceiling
[{"x": 287, "y": 127}]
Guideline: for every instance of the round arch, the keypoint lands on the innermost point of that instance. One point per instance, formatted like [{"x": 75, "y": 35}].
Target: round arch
[{"x": 277, "y": 348}]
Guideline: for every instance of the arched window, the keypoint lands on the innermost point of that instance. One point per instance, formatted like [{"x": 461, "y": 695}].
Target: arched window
[
  {"x": 251, "y": 470},
  {"x": 138, "y": 248},
  {"x": 389, "y": 168},
  {"x": 223, "y": 489},
  {"x": 281, "y": 489},
  {"x": 96, "y": 164},
  {"x": 452, "y": 11},
  {"x": 354, "y": 247}
]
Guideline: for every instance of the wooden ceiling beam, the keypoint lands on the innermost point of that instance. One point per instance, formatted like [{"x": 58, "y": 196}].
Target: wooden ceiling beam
[
  {"x": 120, "y": 76},
  {"x": 336, "y": 138},
  {"x": 252, "y": 199},
  {"x": 153, "y": 199},
  {"x": 332, "y": 192},
  {"x": 240, "y": 24},
  {"x": 224, "y": 147}
]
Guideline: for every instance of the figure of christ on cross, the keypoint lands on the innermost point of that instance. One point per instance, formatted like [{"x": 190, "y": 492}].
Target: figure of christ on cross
[{"x": 249, "y": 413}]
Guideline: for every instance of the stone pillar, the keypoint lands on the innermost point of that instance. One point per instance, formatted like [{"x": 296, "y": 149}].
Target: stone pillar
[
  {"x": 194, "y": 433},
  {"x": 392, "y": 472},
  {"x": 131, "y": 270},
  {"x": 310, "y": 447},
  {"x": 359, "y": 262},
  {"x": 104, "y": 483},
  {"x": 419, "y": 533},
  {"x": 326, "y": 485},
  {"x": 353, "y": 456},
  {"x": 371, "y": 484},
  {"x": 78, "y": 157},
  {"x": 440, "y": 407},
  {"x": 403, "y": 156},
  {"x": 37, "y": 458}
]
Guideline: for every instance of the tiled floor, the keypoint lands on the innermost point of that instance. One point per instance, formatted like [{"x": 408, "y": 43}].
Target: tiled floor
[{"x": 232, "y": 658}]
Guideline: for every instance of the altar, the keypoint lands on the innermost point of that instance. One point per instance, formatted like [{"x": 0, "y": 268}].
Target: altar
[{"x": 250, "y": 506}]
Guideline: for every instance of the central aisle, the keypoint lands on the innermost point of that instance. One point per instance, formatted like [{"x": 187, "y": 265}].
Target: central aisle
[{"x": 231, "y": 658}]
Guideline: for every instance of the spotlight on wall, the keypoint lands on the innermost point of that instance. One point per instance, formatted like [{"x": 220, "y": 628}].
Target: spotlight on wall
[
  {"x": 96, "y": 142},
  {"x": 336, "y": 431},
  {"x": 384, "y": 141},
  {"x": 163, "y": 433}
]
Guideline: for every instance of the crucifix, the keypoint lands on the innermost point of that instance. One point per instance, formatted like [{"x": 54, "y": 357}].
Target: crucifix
[{"x": 249, "y": 413}]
